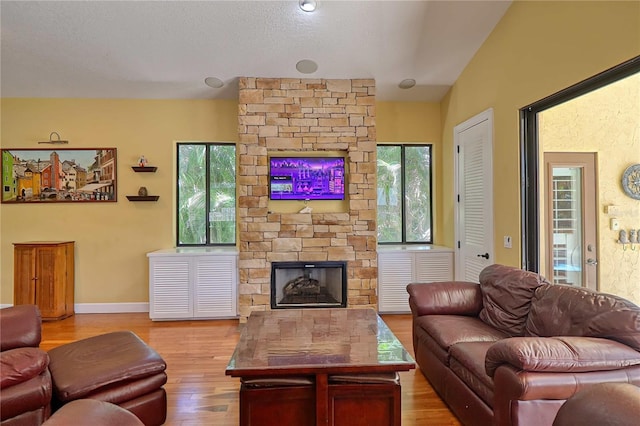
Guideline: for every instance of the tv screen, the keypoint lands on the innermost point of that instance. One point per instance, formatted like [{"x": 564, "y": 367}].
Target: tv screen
[{"x": 306, "y": 178}]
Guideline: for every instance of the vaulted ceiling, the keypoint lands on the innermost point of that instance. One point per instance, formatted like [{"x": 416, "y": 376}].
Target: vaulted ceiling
[{"x": 165, "y": 49}]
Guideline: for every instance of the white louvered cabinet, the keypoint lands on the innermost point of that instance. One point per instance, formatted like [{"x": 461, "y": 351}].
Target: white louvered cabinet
[
  {"x": 401, "y": 265},
  {"x": 192, "y": 283}
]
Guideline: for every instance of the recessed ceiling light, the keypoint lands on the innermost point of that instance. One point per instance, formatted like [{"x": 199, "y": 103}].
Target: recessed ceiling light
[
  {"x": 214, "y": 82},
  {"x": 307, "y": 5},
  {"x": 307, "y": 66},
  {"x": 407, "y": 83}
]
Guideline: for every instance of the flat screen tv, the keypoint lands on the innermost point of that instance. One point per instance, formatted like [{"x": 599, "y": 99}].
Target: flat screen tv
[{"x": 306, "y": 178}]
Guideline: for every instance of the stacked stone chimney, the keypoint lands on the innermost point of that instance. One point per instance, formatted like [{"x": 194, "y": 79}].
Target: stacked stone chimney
[{"x": 306, "y": 116}]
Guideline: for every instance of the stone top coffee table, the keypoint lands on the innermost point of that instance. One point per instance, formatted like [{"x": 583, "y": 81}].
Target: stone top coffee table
[{"x": 317, "y": 344}]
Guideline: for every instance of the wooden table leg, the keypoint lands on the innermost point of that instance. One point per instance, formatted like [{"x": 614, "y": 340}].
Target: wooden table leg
[{"x": 322, "y": 400}]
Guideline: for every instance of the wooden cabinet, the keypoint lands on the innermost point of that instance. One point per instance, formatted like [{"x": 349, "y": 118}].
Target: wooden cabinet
[
  {"x": 193, "y": 283},
  {"x": 44, "y": 276},
  {"x": 401, "y": 265}
]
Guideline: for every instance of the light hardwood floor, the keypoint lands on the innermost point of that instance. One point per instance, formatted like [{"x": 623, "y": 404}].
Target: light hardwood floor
[{"x": 197, "y": 353}]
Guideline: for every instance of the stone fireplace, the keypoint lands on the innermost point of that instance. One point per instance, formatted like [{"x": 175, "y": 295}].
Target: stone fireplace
[
  {"x": 308, "y": 285},
  {"x": 307, "y": 116}
]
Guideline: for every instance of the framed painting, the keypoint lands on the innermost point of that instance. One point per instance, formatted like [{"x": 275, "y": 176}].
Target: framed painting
[{"x": 63, "y": 175}]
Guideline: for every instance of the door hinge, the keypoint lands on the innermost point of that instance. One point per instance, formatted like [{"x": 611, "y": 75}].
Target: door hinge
[
  {"x": 458, "y": 197},
  {"x": 458, "y": 244},
  {"x": 458, "y": 148}
]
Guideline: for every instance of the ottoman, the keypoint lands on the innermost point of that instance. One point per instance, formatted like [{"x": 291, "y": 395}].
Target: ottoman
[
  {"x": 365, "y": 399},
  {"x": 92, "y": 411},
  {"x": 115, "y": 367}
]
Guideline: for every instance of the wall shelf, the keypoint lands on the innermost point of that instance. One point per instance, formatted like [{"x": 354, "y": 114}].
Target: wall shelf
[
  {"x": 146, "y": 169},
  {"x": 143, "y": 198}
]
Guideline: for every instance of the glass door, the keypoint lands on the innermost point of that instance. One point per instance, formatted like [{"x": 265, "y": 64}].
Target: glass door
[{"x": 571, "y": 250}]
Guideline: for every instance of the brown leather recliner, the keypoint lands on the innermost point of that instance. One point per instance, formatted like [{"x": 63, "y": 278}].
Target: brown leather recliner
[
  {"x": 610, "y": 404},
  {"x": 25, "y": 381},
  {"x": 114, "y": 367}
]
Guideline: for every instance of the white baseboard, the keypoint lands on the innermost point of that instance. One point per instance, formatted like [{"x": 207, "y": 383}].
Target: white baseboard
[
  {"x": 103, "y": 308},
  {"x": 110, "y": 308}
]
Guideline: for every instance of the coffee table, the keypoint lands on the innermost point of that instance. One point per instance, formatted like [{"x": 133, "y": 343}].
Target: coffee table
[{"x": 328, "y": 361}]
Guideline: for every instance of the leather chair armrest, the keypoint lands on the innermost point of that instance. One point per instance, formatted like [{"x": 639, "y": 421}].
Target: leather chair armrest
[
  {"x": 562, "y": 354},
  {"x": 445, "y": 298},
  {"x": 20, "y": 326},
  {"x": 20, "y": 365}
]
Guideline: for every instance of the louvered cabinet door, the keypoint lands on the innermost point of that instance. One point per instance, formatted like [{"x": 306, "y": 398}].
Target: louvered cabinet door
[
  {"x": 214, "y": 287},
  {"x": 432, "y": 267},
  {"x": 395, "y": 271},
  {"x": 169, "y": 288}
]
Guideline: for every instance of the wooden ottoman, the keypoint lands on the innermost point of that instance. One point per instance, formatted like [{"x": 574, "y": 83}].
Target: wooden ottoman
[
  {"x": 365, "y": 399},
  {"x": 293, "y": 398},
  {"x": 114, "y": 367}
]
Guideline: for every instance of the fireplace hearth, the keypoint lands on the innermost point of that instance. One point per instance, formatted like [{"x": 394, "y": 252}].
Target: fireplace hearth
[{"x": 308, "y": 285}]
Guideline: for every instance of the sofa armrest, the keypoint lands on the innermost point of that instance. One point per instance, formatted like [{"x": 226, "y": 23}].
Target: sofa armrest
[
  {"x": 20, "y": 365},
  {"x": 516, "y": 388},
  {"x": 560, "y": 354},
  {"x": 20, "y": 326},
  {"x": 445, "y": 298}
]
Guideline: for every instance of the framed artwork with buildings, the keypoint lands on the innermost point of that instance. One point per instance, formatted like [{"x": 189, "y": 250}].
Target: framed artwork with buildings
[{"x": 59, "y": 175}]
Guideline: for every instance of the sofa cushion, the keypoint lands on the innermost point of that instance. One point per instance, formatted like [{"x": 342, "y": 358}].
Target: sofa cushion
[
  {"x": 20, "y": 326},
  {"x": 562, "y": 310},
  {"x": 20, "y": 365},
  {"x": 560, "y": 354},
  {"x": 445, "y": 298},
  {"x": 467, "y": 362},
  {"x": 447, "y": 330},
  {"x": 506, "y": 297}
]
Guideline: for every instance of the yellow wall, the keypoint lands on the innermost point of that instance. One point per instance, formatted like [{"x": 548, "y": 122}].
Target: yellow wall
[
  {"x": 537, "y": 49},
  {"x": 112, "y": 239}
]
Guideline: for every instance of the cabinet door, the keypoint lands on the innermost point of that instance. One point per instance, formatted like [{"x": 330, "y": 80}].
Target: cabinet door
[
  {"x": 169, "y": 288},
  {"x": 215, "y": 287},
  {"x": 24, "y": 274},
  {"x": 433, "y": 266},
  {"x": 50, "y": 289},
  {"x": 395, "y": 271}
]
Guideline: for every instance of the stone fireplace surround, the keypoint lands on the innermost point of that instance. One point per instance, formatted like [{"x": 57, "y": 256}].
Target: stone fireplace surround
[{"x": 306, "y": 115}]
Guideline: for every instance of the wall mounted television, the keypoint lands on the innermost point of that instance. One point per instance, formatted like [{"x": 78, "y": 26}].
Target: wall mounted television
[{"x": 306, "y": 178}]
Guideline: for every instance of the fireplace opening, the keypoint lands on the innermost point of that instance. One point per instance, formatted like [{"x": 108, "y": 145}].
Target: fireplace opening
[{"x": 308, "y": 285}]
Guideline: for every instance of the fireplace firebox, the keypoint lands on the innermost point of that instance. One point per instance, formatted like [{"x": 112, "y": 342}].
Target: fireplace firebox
[{"x": 308, "y": 285}]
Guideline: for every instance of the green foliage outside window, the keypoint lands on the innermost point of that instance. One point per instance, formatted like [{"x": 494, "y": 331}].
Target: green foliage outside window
[
  {"x": 404, "y": 194},
  {"x": 206, "y": 169}
]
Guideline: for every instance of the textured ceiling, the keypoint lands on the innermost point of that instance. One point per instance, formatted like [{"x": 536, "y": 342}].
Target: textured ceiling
[{"x": 165, "y": 49}]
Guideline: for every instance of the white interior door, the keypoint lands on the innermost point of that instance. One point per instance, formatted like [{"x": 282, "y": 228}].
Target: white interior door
[{"x": 473, "y": 142}]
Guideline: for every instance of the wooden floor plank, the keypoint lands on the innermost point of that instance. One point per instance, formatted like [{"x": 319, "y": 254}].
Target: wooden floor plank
[{"x": 197, "y": 353}]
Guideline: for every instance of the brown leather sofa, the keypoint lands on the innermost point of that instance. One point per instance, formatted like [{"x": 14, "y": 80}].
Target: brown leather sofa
[
  {"x": 512, "y": 349},
  {"x": 114, "y": 367}
]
